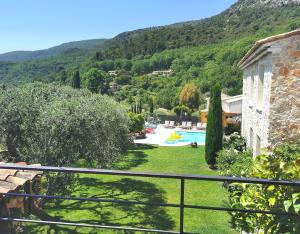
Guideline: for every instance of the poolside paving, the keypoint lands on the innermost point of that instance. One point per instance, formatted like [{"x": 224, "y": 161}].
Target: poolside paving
[{"x": 161, "y": 135}]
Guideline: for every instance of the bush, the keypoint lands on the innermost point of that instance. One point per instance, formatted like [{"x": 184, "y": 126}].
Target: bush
[
  {"x": 275, "y": 166},
  {"x": 231, "y": 162},
  {"x": 136, "y": 123},
  {"x": 55, "y": 125},
  {"x": 236, "y": 142},
  {"x": 232, "y": 128}
]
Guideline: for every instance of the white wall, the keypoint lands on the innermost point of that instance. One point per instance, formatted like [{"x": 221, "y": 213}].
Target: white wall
[{"x": 253, "y": 116}]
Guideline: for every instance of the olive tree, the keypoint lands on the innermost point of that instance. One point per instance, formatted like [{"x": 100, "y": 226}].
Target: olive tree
[{"x": 56, "y": 126}]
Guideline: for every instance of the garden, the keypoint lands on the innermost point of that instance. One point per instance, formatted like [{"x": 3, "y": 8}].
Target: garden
[{"x": 145, "y": 158}]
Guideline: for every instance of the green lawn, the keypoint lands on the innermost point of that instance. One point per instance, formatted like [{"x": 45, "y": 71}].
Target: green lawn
[{"x": 146, "y": 159}]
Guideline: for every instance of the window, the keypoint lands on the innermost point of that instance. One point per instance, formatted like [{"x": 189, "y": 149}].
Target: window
[
  {"x": 251, "y": 86},
  {"x": 258, "y": 145},
  {"x": 251, "y": 138},
  {"x": 260, "y": 86}
]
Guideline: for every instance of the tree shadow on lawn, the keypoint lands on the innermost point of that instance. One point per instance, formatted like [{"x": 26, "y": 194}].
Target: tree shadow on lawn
[
  {"x": 116, "y": 214},
  {"x": 135, "y": 157}
]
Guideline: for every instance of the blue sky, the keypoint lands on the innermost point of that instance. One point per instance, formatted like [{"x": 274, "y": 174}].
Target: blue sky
[{"x": 40, "y": 24}]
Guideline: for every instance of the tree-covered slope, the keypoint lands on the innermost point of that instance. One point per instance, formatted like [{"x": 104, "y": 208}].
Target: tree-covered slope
[
  {"x": 201, "y": 52},
  {"x": 246, "y": 17},
  {"x": 17, "y": 56}
]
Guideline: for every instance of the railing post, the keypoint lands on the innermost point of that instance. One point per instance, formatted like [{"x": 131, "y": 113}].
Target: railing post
[{"x": 181, "y": 224}]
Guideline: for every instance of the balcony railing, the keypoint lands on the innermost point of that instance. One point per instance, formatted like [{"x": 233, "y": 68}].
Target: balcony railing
[{"x": 181, "y": 206}]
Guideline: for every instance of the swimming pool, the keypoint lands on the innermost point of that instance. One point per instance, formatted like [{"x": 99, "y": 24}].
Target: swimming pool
[{"x": 188, "y": 137}]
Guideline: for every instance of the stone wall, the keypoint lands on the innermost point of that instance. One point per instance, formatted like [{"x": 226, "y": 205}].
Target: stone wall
[{"x": 285, "y": 91}]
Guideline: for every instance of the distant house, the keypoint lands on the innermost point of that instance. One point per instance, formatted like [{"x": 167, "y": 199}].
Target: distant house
[
  {"x": 162, "y": 72},
  {"x": 113, "y": 73},
  {"x": 12, "y": 181},
  {"x": 271, "y": 91},
  {"x": 231, "y": 105}
]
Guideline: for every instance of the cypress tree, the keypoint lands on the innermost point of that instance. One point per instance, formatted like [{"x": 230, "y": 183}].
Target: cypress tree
[
  {"x": 214, "y": 129},
  {"x": 63, "y": 76},
  {"x": 151, "y": 105},
  {"x": 76, "y": 82}
]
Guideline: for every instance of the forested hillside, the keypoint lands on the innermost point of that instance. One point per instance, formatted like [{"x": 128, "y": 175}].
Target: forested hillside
[
  {"x": 85, "y": 45},
  {"x": 200, "y": 52}
]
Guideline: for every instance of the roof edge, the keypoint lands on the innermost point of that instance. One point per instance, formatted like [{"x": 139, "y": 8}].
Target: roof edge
[{"x": 267, "y": 40}]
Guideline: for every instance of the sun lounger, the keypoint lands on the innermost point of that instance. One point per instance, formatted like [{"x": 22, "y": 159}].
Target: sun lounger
[
  {"x": 199, "y": 126},
  {"x": 167, "y": 124},
  {"x": 189, "y": 125},
  {"x": 172, "y": 124},
  {"x": 183, "y": 125},
  {"x": 203, "y": 126}
]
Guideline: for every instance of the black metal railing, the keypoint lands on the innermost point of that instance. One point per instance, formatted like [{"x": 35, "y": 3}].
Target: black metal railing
[{"x": 181, "y": 206}]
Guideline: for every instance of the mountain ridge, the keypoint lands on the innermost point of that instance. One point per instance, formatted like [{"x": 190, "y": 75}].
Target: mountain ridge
[{"x": 24, "y": 55}]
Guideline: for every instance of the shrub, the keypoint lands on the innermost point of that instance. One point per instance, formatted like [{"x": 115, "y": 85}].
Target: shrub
[
  {"x": 269, "y": 197},
  {"x": 136, "y": 122},
  {"x": 214, "y": 130},
  {"x": 236, "y": 142},
  {"x": 231, "y": 162},
  {"x": 55, "y": 125},
  {"x": 232, "y": 128}
]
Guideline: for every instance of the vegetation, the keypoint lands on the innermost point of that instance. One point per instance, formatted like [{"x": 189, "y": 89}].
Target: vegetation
[
  {"x": 234, "y": 163},
  {"x": 57, "y": 126},
  {"x": 280, "y": 164},
  {"x": 232, "y": 128},
  {"x": 214, "y": 129},
  {"x": 151, "y": 159},
  {"x": 269, "y": 197},
  {"x": 136, "y": 122},
  {"x": 76, "y": 81},
  {"x": 200, "y": 52},
  {"x": 189, "y": 96}
]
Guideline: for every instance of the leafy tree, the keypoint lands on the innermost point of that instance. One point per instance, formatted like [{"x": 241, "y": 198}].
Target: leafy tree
[
  {"x": 151, "y": 105},
  {"x": 94, "y": 80},
  {"x": 63, "y": 76},
  {"x": 281, "y": 199},
  {"x": 181, "y": 110},
  {"x": 167, "y": 97},
  {"x": 56, "y": 126},
  {"x": 76, "y": 81},
  {"x": 136, "y": 123},
  {"x": 214, "y": 129},
  {"x": 189, "y": 96}
]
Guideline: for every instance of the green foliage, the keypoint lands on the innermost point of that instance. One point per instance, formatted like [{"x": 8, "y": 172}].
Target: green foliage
[
  {"x": 151, "y": 105},
  {"x": 189, "y": 96},
  {"x": 182, "y": 110},
  {"x": 167, "y": 98},
  {"x": 76, "y": 81},
  {"x": 269, "y": 197},
  {"x": 235, "y": 141},
  {"x": 232, "y": 128},
  {"x": 95, "y": 81},
  {"x": 55, "y": 125},
  {"x": 231, "y": 162},
  {"x": 136, "y": 123},
  {"x": 214, "y": 129}
]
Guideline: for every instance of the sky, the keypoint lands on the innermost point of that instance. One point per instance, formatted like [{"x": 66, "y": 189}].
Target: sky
[{"x": 40, "y": 24}]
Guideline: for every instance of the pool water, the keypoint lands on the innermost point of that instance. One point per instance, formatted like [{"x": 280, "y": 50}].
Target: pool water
[{"x": 189, "y": 137}]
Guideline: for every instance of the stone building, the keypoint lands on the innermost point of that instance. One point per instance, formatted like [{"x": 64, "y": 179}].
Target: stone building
[{"x": 271, "y": 91}]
